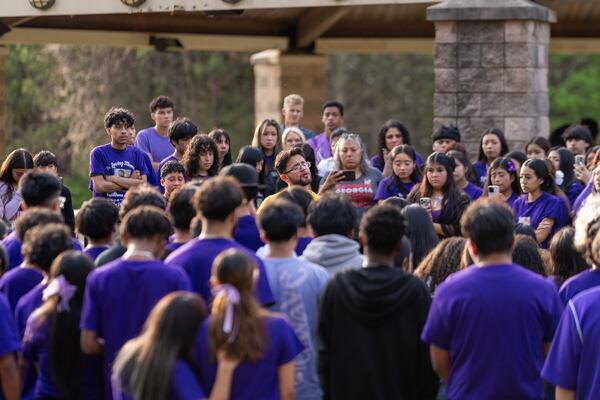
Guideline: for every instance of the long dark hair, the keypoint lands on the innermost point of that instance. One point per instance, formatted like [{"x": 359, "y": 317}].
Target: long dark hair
[
  {"x": 392, "y": 123},
  {"x": 507, "y": 164},
  {"x": 252, "y": 156},
  {"x": 145, "y": 364},
  {"x": 235, "y": 268},
  {"x": 216, "y": 134},
  {"x": 450, "y": 191},
  {"x": 65, "y": 351},
  {"x": 540, "y": 141},
  {"x": 566, "y": 164},
  {"x": 420, "y": 231},
  {"x": 191, "y": 157},
  {"x": 17, "y": 159},
  {"x": 470, "y": 174},
  {"x": 415, "y": 177},
  {"x": 444, "y": 260},
  {"x": 541, "y": 170},
  {"x": 503, "y": 143},
  {"x": 565, "y": 260}
]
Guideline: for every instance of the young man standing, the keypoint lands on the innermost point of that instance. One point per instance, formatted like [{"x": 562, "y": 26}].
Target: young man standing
[
  {"x": 180, "y": 132},
  {"x": 155, "y": 140},
  {"x": 490, "y": 324},
  {"x": 115, "y": 167},
  {"x": 293, "y": 111},
  {"x": 296, "y": 285},
  {"x": 578, "y": 139},
  {"x": 216, "y": 204},
  {"x": 333, "y": 117},
  {"x": 370, "y": 320}
]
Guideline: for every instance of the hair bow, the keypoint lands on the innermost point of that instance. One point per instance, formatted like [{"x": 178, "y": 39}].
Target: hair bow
[
  {"x": 232, "y": 297},
  {"x": 60, "y": 286}
]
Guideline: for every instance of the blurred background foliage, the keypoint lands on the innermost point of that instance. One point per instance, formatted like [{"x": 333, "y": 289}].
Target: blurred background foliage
[{"x": 56, "y": 96}]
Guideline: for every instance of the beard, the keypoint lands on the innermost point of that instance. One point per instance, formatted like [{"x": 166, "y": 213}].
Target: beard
[{"x": 303, "y": 181}]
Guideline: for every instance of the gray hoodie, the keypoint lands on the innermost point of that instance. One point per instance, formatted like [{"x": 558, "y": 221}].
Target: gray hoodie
[{"x": 334, "y": 253}]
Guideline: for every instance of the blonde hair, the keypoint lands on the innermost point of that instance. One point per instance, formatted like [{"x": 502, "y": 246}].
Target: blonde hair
[
  {"x": 292, "y": 99},
  {"x": 292, "y": 129}
]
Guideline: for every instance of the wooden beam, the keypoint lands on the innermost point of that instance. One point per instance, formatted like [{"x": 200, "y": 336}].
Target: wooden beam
[
  {"x": 575, "y": 45},
  {"x": 375, "y": 45},
  {"x": 315, "y": 22},
  {"x": 142, "y": 40},
  {"x": 22, "y": 8}
]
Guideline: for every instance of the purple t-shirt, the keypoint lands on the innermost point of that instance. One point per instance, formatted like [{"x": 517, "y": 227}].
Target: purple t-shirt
[
  {"x": 545, "y": 206},
  {"x": 37, "y": 352},
  {"x": 106, "y": 160},
  {"x": 162, "y": 164},
  {"x": 573, "y": 191},
  {"x": 94, "y": 251},
  {"x": 252, "y": 380},
  {"x": 511, "y": 200},
  {"x": 118, "y": 298},
  {"x": 474, "y": 192},
  {"x": 246, "y": 233},
  {"x": 153, "y": 143},
  {"x": 389, "y": 188},
  {"x": 572, "y": 362},
  {"x": 582, "y": 196},
  {"x": 582, "y": 281},
  {"x": 9, "y": 341},
  {"x": 197, "y": 257},
  {"x": 13, "y": 245},
  {"x": 493, "y": 321},
  {"x": 27, "y": 305},
  {"x": 321, "y": 146},
  {"x": 15, "y": 283},
  {"x": 480, "y": 168}
]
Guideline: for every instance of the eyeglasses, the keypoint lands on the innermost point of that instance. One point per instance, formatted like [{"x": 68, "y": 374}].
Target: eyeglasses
[{"x": 298, "y": 167}]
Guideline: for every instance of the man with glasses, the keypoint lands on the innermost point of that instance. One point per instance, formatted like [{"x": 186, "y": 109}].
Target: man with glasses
[{"x": 294, "y": 170}]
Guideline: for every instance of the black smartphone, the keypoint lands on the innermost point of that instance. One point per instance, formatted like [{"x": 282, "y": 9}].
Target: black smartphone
[{"x": 348, "y": 175}]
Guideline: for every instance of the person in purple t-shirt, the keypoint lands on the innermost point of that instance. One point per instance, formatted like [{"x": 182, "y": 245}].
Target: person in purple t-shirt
[
  {"x": 182, "y": 211},
  {"x": 464, "y": 174},
  {"x": 503, "y": 173},
  {"x": 155, "y": 140},
  {"x": 10, "y": 345},
  {"x": 116, "y": 167},
  {"x": 181, "y": 131},
  {"x": 119, "y": 296},
  {"x": 42, "y": 243},
  {"x": 216, "y": 204},
  {"x": 491, "y": 146},
  {"x": 392, "y": 134},
  {"x": 539, "y": 207},
  {"x": 333, "y": 118},
  {"x": 489, "y": 324},
  {"x": 158, "y": 364},
  {"x": 97, "y": 221},
  {"x": 405, "y": 174},
  {"x": 265, "y": 343}
]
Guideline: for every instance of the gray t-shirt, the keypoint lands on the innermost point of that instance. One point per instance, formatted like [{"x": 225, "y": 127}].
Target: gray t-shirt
[{"x": 361, "y": 190}]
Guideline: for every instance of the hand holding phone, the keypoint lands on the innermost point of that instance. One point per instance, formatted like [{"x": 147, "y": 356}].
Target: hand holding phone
[{"x": 348, "y": 175}]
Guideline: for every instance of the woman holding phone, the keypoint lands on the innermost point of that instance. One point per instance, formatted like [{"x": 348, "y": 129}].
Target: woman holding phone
[
  {"x": 564, "y": 163},
  {"x": 503, "y": 180},
  {"x": 439, "y": 195},
  {"x": 353, "y": 176}
]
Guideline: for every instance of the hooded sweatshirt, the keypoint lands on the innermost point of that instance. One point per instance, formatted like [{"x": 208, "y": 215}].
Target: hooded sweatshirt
[
  {"x": 334, "y": 252},
  {"x": 369, "y": 327}
]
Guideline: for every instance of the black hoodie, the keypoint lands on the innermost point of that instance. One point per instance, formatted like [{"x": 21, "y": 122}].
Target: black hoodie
[{"x": 370, "y": 322}]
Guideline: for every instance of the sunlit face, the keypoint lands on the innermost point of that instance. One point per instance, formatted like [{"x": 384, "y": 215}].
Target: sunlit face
[
  {"x": 393, "y": 138},
  {"x": 207, "y": 158},
  {"x": 530, "y": 183},
  {"x": 403, "y": 166},
  {"x": 503, "y": 179},
  {"x": 222, "y": 147},
  {"x": 436, "y": 175},
  {"x": 535, "y": 152},
  {"x": 459, "y": 171},
  {"x": 172, "y": 181},
  {"x": 268, "y": 139},
  {"x": 292, "y": 139},
  {"x": 443, "y": 145},
  {"x": 298, "y": 171},
  {"x": 350, "y": 154},
  {"x": 162, "y": 117},
  {"x": 18, "y": 173},
  {"x": 292, "y": 114},
  {"x": 554, "y": 156},
  {"x": 577, "y": 146},
  {"x": 491, "y": 146},
  {"x": 332, "y": 118}
]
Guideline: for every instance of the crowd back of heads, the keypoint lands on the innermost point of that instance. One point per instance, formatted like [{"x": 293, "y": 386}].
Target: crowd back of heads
[
  {"x": 565, "y": 260},
  {"x": 141, "y": 195},
  {"x": 280, "y": 221},
  {"x": 33, "y": 217},
  {"x": 146, "y": 222},
  {"x": 526, "y": 253},
  {"x": 97, "y": 218},
  {"x": 382, "y": 229},
  {"x": 420, "y": 231},
  {"x": 218, "y": 198},
  {"x": 42, "y": 244},
  {"x": 332, "y": 214},
  {"x": 444, "y": 260},
  {"x": 40, "y": 189},
  {"x": 181, "y": 207},
  {"x": 299, "y": 197}
]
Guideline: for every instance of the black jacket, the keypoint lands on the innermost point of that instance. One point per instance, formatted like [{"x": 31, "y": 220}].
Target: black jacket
[{"x": 370, "y": 322}]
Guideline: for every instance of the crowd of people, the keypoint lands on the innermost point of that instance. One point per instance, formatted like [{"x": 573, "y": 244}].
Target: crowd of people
[{"x": 302, "y": 268}]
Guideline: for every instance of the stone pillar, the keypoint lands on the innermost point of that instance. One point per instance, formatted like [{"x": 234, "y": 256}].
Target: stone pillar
[
  {"x": 3, "y": 58},
  {"x": 491, "y": 68},
  {"x": 277, "y": 74}
]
